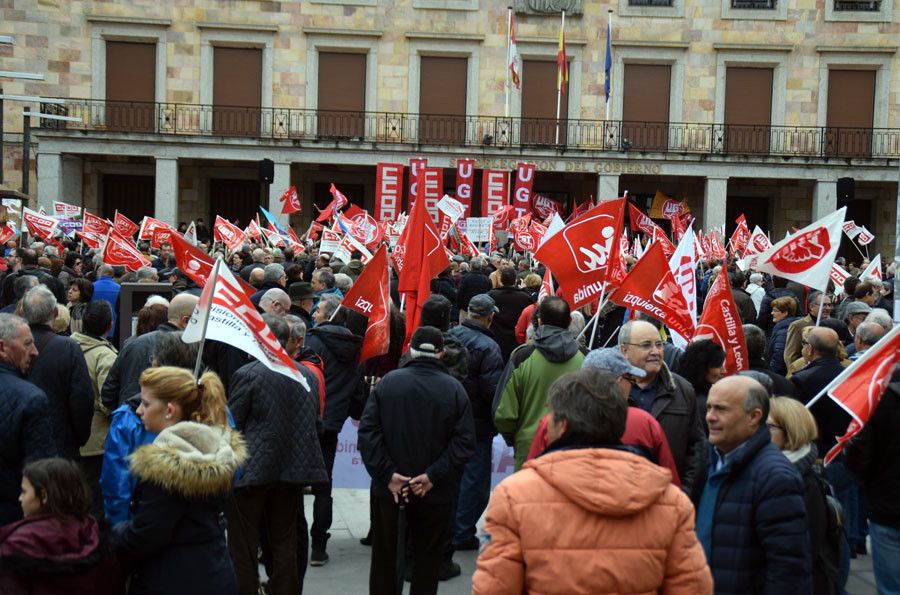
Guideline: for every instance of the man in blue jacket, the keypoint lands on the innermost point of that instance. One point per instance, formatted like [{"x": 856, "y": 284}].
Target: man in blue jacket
[{"x": 751, "y": 518}]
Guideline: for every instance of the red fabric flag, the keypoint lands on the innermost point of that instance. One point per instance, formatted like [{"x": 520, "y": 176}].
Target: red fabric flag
[
  {"x": 338, "y": 202},
  {"x": 290, "y": 201},
  {"x": 120, "y": 250},
  {"x": 544, "y": 207},
  {"x": 124, "y": 225},
  {"x": 720, "y": 322},
  {"x": 162, "y": 235},
  {"x": 640, "y": 221},
  {"x": 253, "y": 230},
  {"x": 95, "y": 225},
  {"x": 7, "y": 232},
  {"x": 659, "y": 237},
  {"x": 859, "y": 388},
  {"x": 741, "y": 236},
  {"x": 388, "y": 191},
  {"x": 494, "y": 191},
  {"x": 522, "y": 192},
  {"x": 370, "y": 296},
  {"x": 583, "y": 252},
  {"x": 546, "y": 285},
  {"x": 39, "y": 225},
  {"x": 197, "y": 265},
  {"x": 148, "y": 226},
  {"x": 227, "y": 232},
  {"x": 715, "y": 245},
  {"x": 651, "y": 288}
]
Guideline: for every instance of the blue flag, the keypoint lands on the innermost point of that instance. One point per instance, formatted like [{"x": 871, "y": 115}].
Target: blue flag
[
  {"x": 608, "y": 67},
  {"x": 272, "y": 220}
]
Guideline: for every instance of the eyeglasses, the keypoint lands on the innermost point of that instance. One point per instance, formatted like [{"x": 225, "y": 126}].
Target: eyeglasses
[
  {"x": 772, "y": 426},
  {"x": 804, "y": 342},
  {"x": 647, "y": 345},
  {"x": 630, "y": 378}
]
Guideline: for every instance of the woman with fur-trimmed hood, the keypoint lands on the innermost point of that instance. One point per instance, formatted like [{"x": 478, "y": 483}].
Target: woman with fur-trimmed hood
[{"x": 176, "y": 537}]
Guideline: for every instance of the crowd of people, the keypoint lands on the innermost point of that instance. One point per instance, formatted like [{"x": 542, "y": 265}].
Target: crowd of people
[{"x": 641, "y": 466}]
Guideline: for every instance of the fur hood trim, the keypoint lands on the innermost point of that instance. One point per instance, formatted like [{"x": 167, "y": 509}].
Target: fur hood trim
[{"x": 191, "y": 459}]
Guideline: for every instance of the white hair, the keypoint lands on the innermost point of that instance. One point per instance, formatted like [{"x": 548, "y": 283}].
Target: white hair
[{"x": 156, "y": 299}]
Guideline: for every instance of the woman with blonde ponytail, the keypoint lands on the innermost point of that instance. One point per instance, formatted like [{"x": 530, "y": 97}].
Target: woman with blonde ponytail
[{"x": 176, "y": 538}]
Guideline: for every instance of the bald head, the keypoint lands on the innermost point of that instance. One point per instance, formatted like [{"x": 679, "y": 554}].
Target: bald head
[
  {"x": 822, "y": 342},
  {"x": 275, "y": 301},
  {"x": 867, "y": 334},
  {"x": 735, "y": 410},
  {"x": 180, "y": 309}
]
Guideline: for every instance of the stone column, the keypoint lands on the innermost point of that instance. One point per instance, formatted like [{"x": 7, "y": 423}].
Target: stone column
[
  {"x": 73, "y": 180},
  {"x": 824, "y": 198},
  {"x": 166, "y": 200},
  {"x": 281, "y": 183},
  {"x": 607, "y": 187},
  {"x": 715, "y": 196},
  {"x": 49, "y": 182}
]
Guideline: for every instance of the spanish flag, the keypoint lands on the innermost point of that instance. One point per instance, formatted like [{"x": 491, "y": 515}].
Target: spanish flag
[{"x": 562, "y": 65}]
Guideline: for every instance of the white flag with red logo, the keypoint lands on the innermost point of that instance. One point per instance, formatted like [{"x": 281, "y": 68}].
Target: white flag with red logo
[
  {"x": 851, "y": 229},
  {"x": 873, "y": 271},
  {"x": 683, "y": 265},
  {"x": 229, "y": 233},
  {"x": 225, "y": 313},
  {"x": 64, "y": 210},
  {"x": 721, "y": 324},
  {"x": 370, "y": 296},
  {"x": 806, "y": 256},
  {"x": 585, "y": 252},
  {"x": 858, "y": 389},
  {"x": 290, "y": 201},
  {"x": 124, "y": 225},
  {"x": 190, "y": 234},
  {"x": 864, "y": 237},
  {"x": 651, "y": 288},
  {"x": 120, "y": 250},
  {"x": 39, "y": 225},
  {"x": 839, "y": 276}
]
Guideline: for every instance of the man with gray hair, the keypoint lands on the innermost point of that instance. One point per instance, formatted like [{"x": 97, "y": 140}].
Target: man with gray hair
[
  {"x": 275, "y": 301},
  {"x": 881, "y": 317},
  {"x": 26, "y": 431},
  {"x": 343, "y": 282},
  {"x": 61, "y": 372},
  {"x": 257, "y": 257},
  {"x": 867, "y": 334},
  {"x": 753, "y": 500},
  {"x": 274, "y": 277},
  {"x": 20, "y": 287},
  {"x": 147, "y": 275},
  {"x": 756, "y": 290}
]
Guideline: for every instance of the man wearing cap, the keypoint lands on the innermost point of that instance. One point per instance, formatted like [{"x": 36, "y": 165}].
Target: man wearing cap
[
  {"x": 484, "y": 370},
  {"x": 415, "y": 437},
  {"x": 855, "y": 313},
  {"x": 302, "y": 299}
]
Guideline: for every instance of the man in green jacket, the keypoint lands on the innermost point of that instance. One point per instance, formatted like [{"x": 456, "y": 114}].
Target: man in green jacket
[{"x": 521, "y": 398}]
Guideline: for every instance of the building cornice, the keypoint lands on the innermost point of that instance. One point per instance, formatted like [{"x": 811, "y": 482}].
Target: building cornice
[
  {"x": 102, "y": 18},
  {"x": 856, "y": 49},
  {"x": 753, "y": 47},
  {"x": 450, "y": 36},
  {"x": 549, "y": 40},
  {"x": 237, "y": 26},
  {"x": 634, "y": 43},
  {"x": 348, "y": 32}
]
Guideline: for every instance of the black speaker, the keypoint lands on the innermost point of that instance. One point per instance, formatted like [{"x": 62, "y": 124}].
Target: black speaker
[
  {"x": 266, "y": 171},
  {"x": 846, "y": 188}
]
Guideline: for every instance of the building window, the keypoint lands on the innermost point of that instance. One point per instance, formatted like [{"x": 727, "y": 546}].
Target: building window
[
  {"x": 851, "y": 112},
  {"x": 237, "y": 100},
  {"x": 341, "y": 94},
  {"x": 858, "y": 5},
  {"x": 753, "y": 4},
  {"x": 650, "y": 2},
  {"x": 748, "y": 109},
  {"x": 442, "y": 99},
  {"x": 538, "y": 126},
  {"x": 645, "y": 106},
  {"x": 130, "y": 86},
  {"x": 875, "y": 11}
]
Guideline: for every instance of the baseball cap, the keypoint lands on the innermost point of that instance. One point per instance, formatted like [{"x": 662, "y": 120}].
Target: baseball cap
[
  {"x": 301, "y": 290},
  {"x": 483, "y": 305},
  {"x": 427, "y": 339},
  {"x": 611, "y": 360},
  {"x": 856, "y": 307}
]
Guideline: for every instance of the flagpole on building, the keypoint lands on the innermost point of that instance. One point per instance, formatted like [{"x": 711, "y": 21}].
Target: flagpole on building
[
  {"x": 608, "y": 63},
  {"x": 559, "y": 77},
  {"x": 509, "y": 10},
  {"x": 214, "y": 278}
]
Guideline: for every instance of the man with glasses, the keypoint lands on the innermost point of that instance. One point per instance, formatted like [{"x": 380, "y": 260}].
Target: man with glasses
[
  {"x": 668, "y": 397},
  {"x": 275, "y": 301},
  {"x": 793, "y": 347}
]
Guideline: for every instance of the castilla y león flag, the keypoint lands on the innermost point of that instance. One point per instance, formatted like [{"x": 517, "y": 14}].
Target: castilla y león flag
[
  {"x": 651, "y": 288},
  {"x": 806, "y": 256},
  {"x": 721, "y": 324},
  {"x": 224, "y": 313},
  {"x": 120, "y": 250},
  {"x": 858, "y": 389},
  {"x": 585, "y": 252},
  {"x": 370, "y": 297}
]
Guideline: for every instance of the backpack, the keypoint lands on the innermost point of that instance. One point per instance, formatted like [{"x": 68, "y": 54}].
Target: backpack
[{"x": 828, "y": 557}]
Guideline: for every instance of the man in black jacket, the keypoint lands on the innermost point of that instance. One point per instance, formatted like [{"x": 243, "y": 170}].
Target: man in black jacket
[
  {"x": 473, "y": 283},
  {"x": 339, "y": 349},
  {"x": 821, "y": 351},
  {"x": 415, "y": 436},
  {"x": 61, "y": 372},
  {"x": 510, "y": 302},
  {"x": 485, "y": 368},
  {"x": 756, "y": 347}
]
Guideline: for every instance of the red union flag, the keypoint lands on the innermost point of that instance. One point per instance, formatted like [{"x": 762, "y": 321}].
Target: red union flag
[
  {"x": 96, "y": 225},
  {"x": 583, "y": 253},
  {"x": 523, "y": 241},
  {"x": 522, "y": 193},
  {"x": 864, "y": 237},
  {"x": 759, "y": 242},
  {"x": 254, "y": 230},
  {"x": 494, "y": 191},
  {"x": 370, "y": 297},
  {"x": 196, "y": 264},
  {"x": 338, "y": 202},
  {"x": 7, "y": 232},
  {"x": 226, "y": 314},
  {"x": 806, "y": 256},
  {"x": 124, "y": 225},
  {"x": 227, "y": 232},
  {"x": 290, "y": 201},
  {"x": 741, "y": 236},
  {"x": 546, "y": 285},
  {"x": 119, "y": 250},
  {"x": 639, "y": 221},
  {"x": 721, "y": 324},
  {"x": 838, "y": 275},
  {"x": 715, "y": 245},
  {"x": 465, "y": 177},
  {"x": 148, "y": 226},
  {"x": 858, "y": 389},
  {"x": 162, "y": 235},
  {"x": 415, "y": 165},
  {"x": 544, "y": 207},
  {"x": 388, "y": 191},
  {"x": 851, "y": 229},
  {"x": 650, "y": 288},
  {"x": 39, "y": 225},
  {"x": 64, "y": 210}
]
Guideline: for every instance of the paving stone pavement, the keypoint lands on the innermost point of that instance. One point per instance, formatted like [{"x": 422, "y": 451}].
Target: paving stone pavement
[{"x": 347, "y": 571}]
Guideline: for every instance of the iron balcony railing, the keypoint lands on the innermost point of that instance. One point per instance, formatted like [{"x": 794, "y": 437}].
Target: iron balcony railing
[{"x": 475, "y": 131}]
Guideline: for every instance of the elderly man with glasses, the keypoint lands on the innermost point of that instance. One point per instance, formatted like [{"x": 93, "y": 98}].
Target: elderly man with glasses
[{"x": 667, "y": 397}]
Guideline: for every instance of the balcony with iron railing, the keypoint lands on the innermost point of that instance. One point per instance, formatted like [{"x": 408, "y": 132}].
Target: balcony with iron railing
[{"x": 385, "y": 128}]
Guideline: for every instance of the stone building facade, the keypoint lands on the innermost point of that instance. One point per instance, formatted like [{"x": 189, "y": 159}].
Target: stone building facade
[{"x": 737, "y": 105}]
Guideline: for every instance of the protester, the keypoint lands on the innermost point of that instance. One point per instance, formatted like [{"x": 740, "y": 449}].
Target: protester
[
  {"x": 475, "y": 282},
  {"x": 756, "y": 345},
  {"x": 520, "y": 401},
  {"x": 511, "y": 301},
  {"x": 274, "y": 277},
  {"x": 174, "y": 540},
  {"x": 149, "y": 318},
  {"x": 106, "y": 289},
  {"x": 743, "y": 301},
  {"x": 751, "y": 517},
  {"x": 79, "y": 294},
  {"x": 867, "y": 334},
  {"x": 588, "y": 516},
  {"x": 420, "y": 468},
  {"x": 756, "y": 291},
  {"x": 783, "y": 315},
  {"x": 56, "y": 548},
  {"x": 793, "y": 347},
  {"x": 702, "y": 364},
  {"x": 820, "y": 350}
]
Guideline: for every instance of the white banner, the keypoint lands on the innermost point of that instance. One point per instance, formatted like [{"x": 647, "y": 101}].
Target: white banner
[{"x": 479, "y": 228}]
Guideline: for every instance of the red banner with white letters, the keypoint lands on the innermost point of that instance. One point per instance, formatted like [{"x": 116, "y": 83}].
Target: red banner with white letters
[
  {"x": 119, "y": 250},
  {"x": 494, "y": 191},
  {"x": 415, "y": 164},
  {"x": 388, "y": 191},
  {"x": 465, "y": 180},
  {"x": 521, "y": 201},
  {"x": 720, "y": 322}
]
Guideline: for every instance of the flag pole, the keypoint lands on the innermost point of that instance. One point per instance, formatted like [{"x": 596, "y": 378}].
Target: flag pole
[
  {"x": 509, "y": 10},
  {"x": 559, "y": 80},
  {"x": 607, "y": 82},
  {"x": 212, "y": 293},
  {"x": 821, "y": 301}
]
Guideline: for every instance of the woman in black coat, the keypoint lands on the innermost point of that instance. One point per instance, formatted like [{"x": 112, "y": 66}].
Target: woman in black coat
[
  {"x": 702, "y": 364},
  {"x": 176, "y": 537},
  {"x": 783, "y": 314}
]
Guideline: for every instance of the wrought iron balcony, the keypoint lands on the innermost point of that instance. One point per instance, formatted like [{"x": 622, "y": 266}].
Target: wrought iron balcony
[{"x": 302, "y": 125}]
